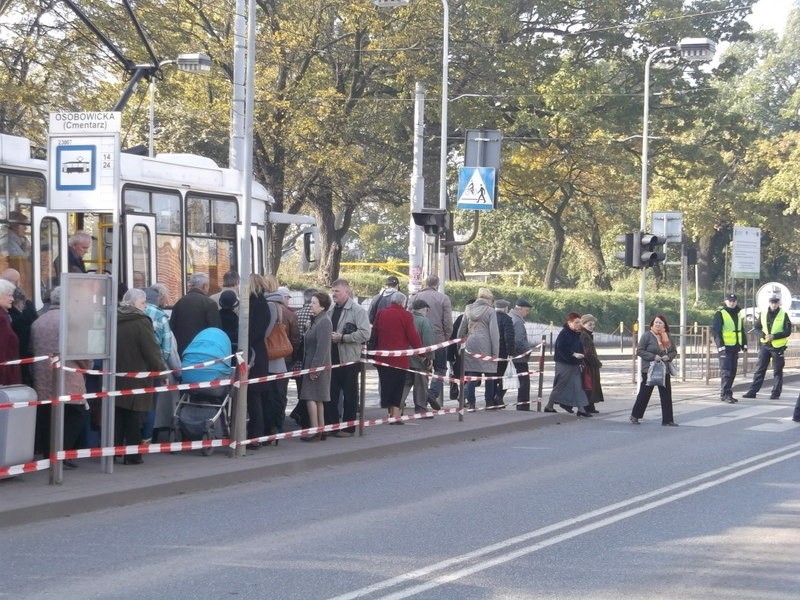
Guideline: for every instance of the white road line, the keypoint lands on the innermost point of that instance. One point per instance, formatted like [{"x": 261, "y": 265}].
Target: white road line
[
  {"x": 740, "y": 468},
  {"x": 735, "y": 415},
  {"x": 785, "y": 424}
]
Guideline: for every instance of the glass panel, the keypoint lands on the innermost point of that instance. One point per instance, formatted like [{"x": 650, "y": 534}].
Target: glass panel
[
  {"x": 211, "y": 256},
  {"x": 225, "y": 218},
  {"x": 168, "y": 265},
  {"x": 49, "y": 256},
  {"x": 198, "y": 217},
  {"x": 140, "y": 254},
  {"x": 3, "y": 198},
  {"x": 24, "y": 191},
  {"x": 169, "y": 216},
  {"x": 136, "y": 200}
]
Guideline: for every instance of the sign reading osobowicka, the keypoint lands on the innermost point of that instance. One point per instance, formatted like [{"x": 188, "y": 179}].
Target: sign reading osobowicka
[{"x": 83, "y": 161}]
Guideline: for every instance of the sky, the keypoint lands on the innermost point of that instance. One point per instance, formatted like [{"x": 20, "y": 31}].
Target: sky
[{"x": 770, "y": 14}]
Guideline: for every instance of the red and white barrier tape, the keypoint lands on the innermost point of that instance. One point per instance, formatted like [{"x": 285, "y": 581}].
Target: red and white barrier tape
[
  {"x": 25, "y": 361},
  {"x": 487, "y": 357},
  {"x": 145, "y": 374},
  {"x": 414, "y": 351}
]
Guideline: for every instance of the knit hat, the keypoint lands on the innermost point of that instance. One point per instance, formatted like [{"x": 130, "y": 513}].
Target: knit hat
[
  {"x": 588, "y": 318},
  {"x": 228, "y": 299}
]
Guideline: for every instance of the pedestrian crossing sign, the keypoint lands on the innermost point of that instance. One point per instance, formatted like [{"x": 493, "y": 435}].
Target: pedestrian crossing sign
[{"x": 476, "y": 188}]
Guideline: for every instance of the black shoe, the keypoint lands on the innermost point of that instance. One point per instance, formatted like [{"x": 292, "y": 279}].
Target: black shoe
[
  {"x": 774, "y": 397},
  {"x": 583, "y": 413},
  {"x": 592, "y": 410},
  {"x": 434, "y": 403},
  {"x": 550, "y": 410},
  {"x": 729, "y": 400},
  {"x": 796, "y": 420},
  {"x": 670, "y": 424},
  {"x": 69, "y": 464},
  {"x": 749, "y": 395},
  {"x": 133, "y": 459},
  {"x": 569, "y": 409}
]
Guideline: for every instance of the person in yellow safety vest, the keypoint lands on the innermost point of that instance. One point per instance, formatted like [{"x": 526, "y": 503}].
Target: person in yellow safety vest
[
  {"x": 773, "y": 329},
  {"x": 727, "y": 329}
]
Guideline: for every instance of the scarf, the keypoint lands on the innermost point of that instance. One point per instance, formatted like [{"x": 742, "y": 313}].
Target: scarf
[{"x": 662, "y": 338}]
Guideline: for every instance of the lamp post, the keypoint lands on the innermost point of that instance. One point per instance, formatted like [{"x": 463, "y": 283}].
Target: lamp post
[
  {"x": 692, "y": 50},
  {"x": 188, "y": 63},
  {"x": 443, "y": 143}
]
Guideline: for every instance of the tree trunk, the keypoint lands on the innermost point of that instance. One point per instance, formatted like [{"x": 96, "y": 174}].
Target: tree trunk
[
  {"x": 600, "y": 278},
  {"x": 556, "y": 253},
  {"x": 705, "y": 278}
]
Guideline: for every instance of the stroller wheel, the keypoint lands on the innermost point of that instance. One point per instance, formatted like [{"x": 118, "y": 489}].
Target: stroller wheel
[{"x": 206, "y": 450}]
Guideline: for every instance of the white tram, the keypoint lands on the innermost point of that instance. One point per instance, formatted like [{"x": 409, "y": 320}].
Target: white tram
[{"x": 182, "y": 214}]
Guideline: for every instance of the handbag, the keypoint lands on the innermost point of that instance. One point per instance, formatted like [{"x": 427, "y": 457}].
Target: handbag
[
  {"x": 657, "y": 374},
  {"x": 277, "y": 342},
  {"x": 672, "y": 369},
  {"x": 510, "y": 378},
  {"x": 587, "y": 380}
]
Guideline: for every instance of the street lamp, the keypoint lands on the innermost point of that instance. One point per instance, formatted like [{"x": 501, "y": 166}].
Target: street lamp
[
  {"x": 195, "y": 62},
  {"x": 692, "y": 50},
  {"x": 443, "y": 144}
]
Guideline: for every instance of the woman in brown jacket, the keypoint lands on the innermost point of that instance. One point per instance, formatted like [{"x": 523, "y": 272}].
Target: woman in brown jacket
[
  {"x": 592, "y": 363},
  {"x": 137, "y": 350}
]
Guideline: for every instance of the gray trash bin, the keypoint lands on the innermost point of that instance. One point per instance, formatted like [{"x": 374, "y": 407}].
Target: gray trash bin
[{"x": 17, "y": 425}]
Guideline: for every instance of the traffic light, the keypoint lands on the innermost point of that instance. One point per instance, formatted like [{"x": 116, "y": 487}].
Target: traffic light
[
  {"x": 649, "y": 254},
  {"x": 432, "y": 220},
  {"x": 625, "y": 255}
]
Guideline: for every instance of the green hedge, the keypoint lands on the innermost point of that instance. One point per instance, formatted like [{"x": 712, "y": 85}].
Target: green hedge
[{"x": 548, "y": 306}]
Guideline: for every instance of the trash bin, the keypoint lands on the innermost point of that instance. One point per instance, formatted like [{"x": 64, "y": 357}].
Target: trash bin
[{"x": 17, "y": 425}]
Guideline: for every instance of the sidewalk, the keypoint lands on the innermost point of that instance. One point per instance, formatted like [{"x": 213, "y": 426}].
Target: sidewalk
[{"x": 28, "y": 498}]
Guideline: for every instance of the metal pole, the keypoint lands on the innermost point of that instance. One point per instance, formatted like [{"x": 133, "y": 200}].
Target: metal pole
[
  {"x": 151, "y": 143},
  {"x": 541, "y": 374},
  {"x": 416, "y": 242},
  {"x": 684, "y": 294},
  {"x": 362, "y": 392},
  {"x": 443, "y": 146},
  {"x": 240, "y": 413},
  {"x": 643, "y": 207},
  {"x": 238, "y": 92}
]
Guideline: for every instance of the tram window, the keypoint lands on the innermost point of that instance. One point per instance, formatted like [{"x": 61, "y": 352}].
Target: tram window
[
  {"x": 140, "y": 254},
  {"x": 136, "y": 200},
  {"x": 212, "y": 256},
  {"x": 198, "y": 215},
  {"x": 24, "y": 191},
  {"x": 49, "y": 256},
  {"x": 225, "y": 218},
  {"x": 169, "y": 216},
  {"x": 168, "y": 265}
]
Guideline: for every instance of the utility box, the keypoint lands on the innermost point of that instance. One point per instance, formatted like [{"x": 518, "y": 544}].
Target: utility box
[{"x": 17, "y": 425}]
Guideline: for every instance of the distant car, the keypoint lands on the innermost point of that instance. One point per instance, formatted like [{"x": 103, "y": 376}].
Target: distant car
[{"x": 794, "y": 311}]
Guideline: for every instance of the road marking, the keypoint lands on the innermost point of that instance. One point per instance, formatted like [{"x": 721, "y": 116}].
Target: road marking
[
  {"x": 735, "y": 415},
  {"x": 739, "y": 468},
  {"x": 778, "y": 426}
]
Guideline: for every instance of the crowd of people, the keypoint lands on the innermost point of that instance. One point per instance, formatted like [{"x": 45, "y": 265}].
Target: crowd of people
[{"x": 331, "y": 329}]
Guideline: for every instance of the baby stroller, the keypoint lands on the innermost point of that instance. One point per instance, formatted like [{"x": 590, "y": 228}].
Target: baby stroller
[{"x": 204, "y": 414}]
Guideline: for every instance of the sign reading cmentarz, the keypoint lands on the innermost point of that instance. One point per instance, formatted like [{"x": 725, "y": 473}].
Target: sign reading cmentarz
[{"x": 85, "y": 122}]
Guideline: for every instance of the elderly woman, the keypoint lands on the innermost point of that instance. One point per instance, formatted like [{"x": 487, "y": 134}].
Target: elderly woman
[
  {"x": 45, "y": 336},
  {"x": 137, "y": 350},
  {"x": 479, "y": 325},
  {"x": 568, "y": 356},
  {"x": 394, "y": 329},
  {"x": 592, "y": 364},
  {"x": 161, "y": 417},
  {"x": 315, "y": 388},
  {"x": 9, "y": 343}
]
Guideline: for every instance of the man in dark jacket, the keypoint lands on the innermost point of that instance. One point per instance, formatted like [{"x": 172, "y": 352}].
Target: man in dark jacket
[
  {"x": 521, "y": 345},
  {"x": 194, "y": 312},
  {"x": 494, "y": 387},
  {"x": 727, "y": 329},
  {"x": 773, "y": 328}
]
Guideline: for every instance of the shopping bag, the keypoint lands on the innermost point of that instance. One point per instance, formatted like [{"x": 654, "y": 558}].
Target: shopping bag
[
  {"x": 510, "y": 379},
  {"x": 657, "y": 374},
  {"x": 587, "y": 380}
]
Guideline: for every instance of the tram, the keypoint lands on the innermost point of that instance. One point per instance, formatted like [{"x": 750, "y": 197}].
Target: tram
[{"x": 181, "y": 214}]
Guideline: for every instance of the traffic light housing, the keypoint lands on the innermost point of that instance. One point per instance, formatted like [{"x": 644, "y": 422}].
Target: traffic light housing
[
  {"x": 650, "y": 250},
  {"x": 625, "y": 255},
  {"x": 432, "y": 220}
]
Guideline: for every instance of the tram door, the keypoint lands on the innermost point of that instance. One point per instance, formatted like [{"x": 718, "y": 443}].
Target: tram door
[
  {"x": 49, "y": 234},
  {"x": 139, "y": 250}
]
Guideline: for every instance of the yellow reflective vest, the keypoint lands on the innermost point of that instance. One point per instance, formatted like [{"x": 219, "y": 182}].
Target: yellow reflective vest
[
  {"x": 732, "y": 333},
  {"x": 777, "y": 327}
]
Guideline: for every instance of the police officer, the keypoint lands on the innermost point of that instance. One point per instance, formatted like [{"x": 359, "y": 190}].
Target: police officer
[
  {"x": 727, "y": 329},
  {"x": 773, "y": 328}
]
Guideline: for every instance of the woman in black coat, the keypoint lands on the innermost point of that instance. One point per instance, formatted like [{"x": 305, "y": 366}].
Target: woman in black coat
[
  {"x": 592, "y": 363},
  {"x": 568, "y": 355}
]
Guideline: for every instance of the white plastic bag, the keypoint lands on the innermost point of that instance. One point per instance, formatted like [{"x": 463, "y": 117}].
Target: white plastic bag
[{"x": 510, "y": 379}]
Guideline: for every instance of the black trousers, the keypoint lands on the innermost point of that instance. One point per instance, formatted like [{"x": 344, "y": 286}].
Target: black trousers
[
  {"x": 643, "y": 398},
  {"x": 728, "y": 364},
  {"x": 344, "y": 382},
  {"x": 765, "y": 355},
  {"x": 127, "y": 427},
  {"x": 524, "y": 391}
]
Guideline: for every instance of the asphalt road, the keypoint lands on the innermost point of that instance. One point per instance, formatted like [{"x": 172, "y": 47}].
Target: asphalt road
[{"x": 587, "y": 509}]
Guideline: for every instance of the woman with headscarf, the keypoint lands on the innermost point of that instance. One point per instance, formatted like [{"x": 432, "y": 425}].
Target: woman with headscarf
[
  {"x": 137, "y": 350},
  {"x": 655, "y": 346},
  {"x": 479, "y": 325},
  {"x": 568, "y": 356},
  {"x": 592, "y": 363}
]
